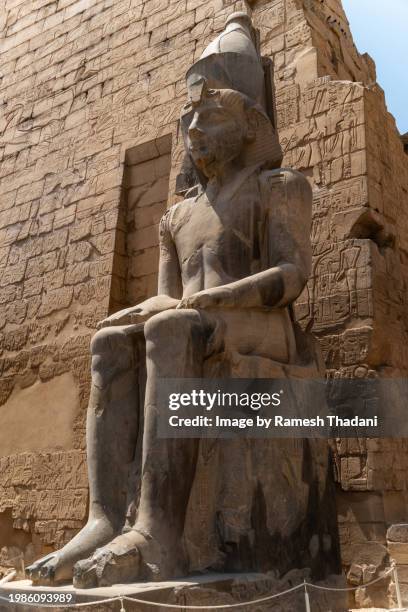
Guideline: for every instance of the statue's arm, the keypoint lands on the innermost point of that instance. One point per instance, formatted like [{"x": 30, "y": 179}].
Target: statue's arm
[
  {"x": 285, "y": 249},
  {"x": 285, "y": 241},
  {"x": 169, "y": 285},
  {"x": 169, "y": 267}
]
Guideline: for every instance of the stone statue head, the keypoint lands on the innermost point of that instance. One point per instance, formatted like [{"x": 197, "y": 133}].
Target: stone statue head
[
  {"x": 226, "y": 116},
  {"x": 223, "y": 125},
  {"x": 217, "y": 125}
]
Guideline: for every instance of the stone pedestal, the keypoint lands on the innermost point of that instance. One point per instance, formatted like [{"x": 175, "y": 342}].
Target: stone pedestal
[{"x": 204, "y": 590}]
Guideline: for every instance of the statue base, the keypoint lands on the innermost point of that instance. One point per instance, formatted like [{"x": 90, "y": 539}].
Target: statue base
[{"x": 199, "y": 590}]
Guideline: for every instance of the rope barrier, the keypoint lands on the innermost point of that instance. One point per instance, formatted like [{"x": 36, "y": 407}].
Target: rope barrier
[{"x": 305, "y": 585}]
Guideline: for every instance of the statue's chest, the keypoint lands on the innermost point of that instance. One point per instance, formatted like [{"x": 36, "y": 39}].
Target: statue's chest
[
  {"x": 227, "y": 229},
  {"x": 230, "y": 221}
]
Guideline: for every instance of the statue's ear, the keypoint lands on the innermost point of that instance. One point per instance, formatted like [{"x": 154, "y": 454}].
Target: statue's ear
[{"x": 252, "y": 123}]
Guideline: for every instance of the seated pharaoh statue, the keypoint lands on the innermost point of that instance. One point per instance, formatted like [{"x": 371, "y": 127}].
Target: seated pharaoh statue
[{"x": 234, "y": 256}]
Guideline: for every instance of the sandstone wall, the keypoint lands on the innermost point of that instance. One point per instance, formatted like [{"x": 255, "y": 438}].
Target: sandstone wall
[{"x": 90, "y": 93}]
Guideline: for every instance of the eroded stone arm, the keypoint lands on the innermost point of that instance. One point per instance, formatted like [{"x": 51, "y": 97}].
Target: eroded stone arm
[{"x": 169, "y": 268}]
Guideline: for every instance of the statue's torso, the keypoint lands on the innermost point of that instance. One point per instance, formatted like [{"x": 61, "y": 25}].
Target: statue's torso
[
  {"x": 250, "y": 228},
  {"x": 260, "y": 221},
  {"x": 218, "y": 243}
]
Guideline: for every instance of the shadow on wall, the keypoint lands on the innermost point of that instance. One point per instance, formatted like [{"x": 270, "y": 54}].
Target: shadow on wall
[
  {"x": 143, "y": 203},
  {"x": 28, "y": 413}
]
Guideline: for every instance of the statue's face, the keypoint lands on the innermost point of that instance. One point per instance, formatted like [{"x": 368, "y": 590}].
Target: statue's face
[{"x": 213, "y": 133}]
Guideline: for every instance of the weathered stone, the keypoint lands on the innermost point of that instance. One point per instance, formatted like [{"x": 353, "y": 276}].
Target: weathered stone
[
  {"x": 87, "y": 95},
  {"x": 398, "y": 533},
  {"x": 210, "y": 589},
  {"x": 219, "y": 288}
]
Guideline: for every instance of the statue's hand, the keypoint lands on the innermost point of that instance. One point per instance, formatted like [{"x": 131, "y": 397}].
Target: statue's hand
[
  {"x": 141, "y": 312},
  {"x": 215, "y": 297}
]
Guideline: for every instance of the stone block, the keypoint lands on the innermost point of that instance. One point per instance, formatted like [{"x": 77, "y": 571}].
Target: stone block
[
  {"x": 143, "y": 238},
  {"x": 399, "y": 552},
  {"x": 362, "y": 507},
  {"x": 398, "y": 533},
  {"x": 148, "y": 215},
  {"x": 144, "y": 262},
  {"x": 395, "y": 510}
]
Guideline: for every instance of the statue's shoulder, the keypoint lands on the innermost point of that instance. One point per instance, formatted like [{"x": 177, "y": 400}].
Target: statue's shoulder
[
  {"x": 289, "y": 181},
  {"x": 173, "y": 212}
]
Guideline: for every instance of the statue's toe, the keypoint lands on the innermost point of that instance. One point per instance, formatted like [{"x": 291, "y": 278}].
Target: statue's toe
[
  {"x": 119, "y": 566},
  {"x": 85, "y": 574},
  {"x": 47, "y": 573},
  {"x": 110, "y": 565},
  {"x": 34, "y": 571}
]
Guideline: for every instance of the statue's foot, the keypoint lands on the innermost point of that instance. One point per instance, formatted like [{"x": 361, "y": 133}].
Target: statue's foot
[
  {"x": 130, "y": 557},
  {"x": 58, "y": 566}
]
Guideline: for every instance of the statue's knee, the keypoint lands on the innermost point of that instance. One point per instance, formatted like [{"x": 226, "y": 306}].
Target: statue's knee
[
  {"x": 111, "y": 351},
  {"x": 107, "y": 340},
  {"x": 172, "y": 325},
  {"x": 157, "y": 327}
]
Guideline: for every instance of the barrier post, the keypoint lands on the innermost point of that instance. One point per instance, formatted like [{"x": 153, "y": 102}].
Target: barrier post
[
  {"x": 122, "y": 605},
  {"x": 307, "y": 600},
  {"x": 397, "y": 586}
]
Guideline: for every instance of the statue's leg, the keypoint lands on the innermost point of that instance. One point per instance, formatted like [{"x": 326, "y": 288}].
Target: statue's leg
[
  {"x": 112, "y": 425},
  {"x": 176, "y": 344}
]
